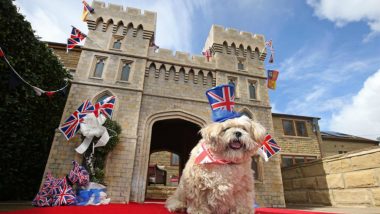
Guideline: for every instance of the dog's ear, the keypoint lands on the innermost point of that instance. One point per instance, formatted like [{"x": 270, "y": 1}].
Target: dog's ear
[
  {"x": 211, "y": 132},
  {"x": 258, "y": 132}
]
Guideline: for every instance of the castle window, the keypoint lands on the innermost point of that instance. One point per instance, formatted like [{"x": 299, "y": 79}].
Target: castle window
[
  {"x": 225, "y": 48},
  {"x": 233, "y": 81},
  {"x": 117, "y": 44},
  {"x": 126, "y": 70},
  {"x": 99, "y": 67},
  {"x": 240, "y": 65},
  {"x": 252, "y": 90}
]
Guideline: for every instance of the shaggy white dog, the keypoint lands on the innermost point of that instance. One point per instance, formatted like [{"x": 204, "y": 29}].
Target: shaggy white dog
[{"x": 225, "y": 185}]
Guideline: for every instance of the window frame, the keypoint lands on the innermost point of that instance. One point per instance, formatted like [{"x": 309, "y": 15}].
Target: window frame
[
  {"x": 236, "y": 84},
  {"x": 129, "y": 63},
  {"x": 304, "y": 123},
  {"x": 96, "y": 60},
  {"x": 114, "y": 39},
  {"x": 171, "y": 159},
  {"x": 295, "y": 130},
  {"x": 255, "y": 83},
  {"x": 306, "y": 158}
]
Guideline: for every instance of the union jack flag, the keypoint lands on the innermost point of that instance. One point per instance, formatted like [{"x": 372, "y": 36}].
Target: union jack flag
[
  {"x": 71, "y": 126},
  {"x": 105, "y": 107},
  {"x": 78, "y": 175},
  {"x": 269, "y": 147},
  {"x": 66, "y": 195},
  {"x": 207, "y": 54},
  {"x": 42, "y": 199},
  {"x": 71, "y": 43},
  {"x": 77, "y": 35},
  {"x": 222, "y": 99},
  {"x": 204, "y": 155}
]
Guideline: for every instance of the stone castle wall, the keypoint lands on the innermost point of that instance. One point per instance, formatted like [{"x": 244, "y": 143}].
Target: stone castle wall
[
  {"x": 162, "y": 85},
  {"x": 352, "y": 179}
]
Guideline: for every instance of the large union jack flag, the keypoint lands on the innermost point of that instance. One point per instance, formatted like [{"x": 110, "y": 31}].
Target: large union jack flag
[
  {"x": 270, "y": 147},
  {"x": 105, "y": 107},
  {"x": 222, "y": 99},
  {"x": 71, "y": 126}
]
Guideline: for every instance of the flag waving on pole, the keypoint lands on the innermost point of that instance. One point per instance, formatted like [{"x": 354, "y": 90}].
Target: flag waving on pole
[
  {"x": 269, "y": 148},
  {"x": 86, "y": 10},
  {"x": 75, "y": 38},
  {"x": 272, "y": 78},
  {"x": 207, "y": 54}
]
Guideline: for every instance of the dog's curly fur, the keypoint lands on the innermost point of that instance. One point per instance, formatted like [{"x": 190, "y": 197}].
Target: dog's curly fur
[{"x": 221, "y": 188}]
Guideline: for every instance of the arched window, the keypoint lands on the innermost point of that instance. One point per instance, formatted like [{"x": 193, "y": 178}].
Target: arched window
[
  {"x": 233, "y": 49},
  {"x": 225, "y": 47},
  {"x": 101, "y": 98},
  {"x": 99, "y": 68},
  {"x": 249, "y": 53},
  {"x": 139, "y": 32},
  {"x": 241, "y": 50},
  {"x": 257, "y": 53},
  {"x": 240, "y": 65},
  {"x": 120, "y": 28},
  {"x": 99, "y": 25},
  {"x": 117, "y": 44},
  {"x": 125, "y": 72},
  {"x": 130, "y": 30},
  {"x": 252, "y": 90}
]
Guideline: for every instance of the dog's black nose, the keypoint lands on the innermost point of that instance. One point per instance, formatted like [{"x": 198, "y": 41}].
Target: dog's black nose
[{"x": 238, "y": 134}]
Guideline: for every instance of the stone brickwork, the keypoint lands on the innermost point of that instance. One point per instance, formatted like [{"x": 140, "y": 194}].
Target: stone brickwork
[
  {"x": 161, "y": 86},
  {"x": 296, "y": 145},
  {"x": 352, "y": 179},
  {"x": 332, "y": 146},
  {"x": 164, "y": 159},
  {"x": 70, "y": 61}
]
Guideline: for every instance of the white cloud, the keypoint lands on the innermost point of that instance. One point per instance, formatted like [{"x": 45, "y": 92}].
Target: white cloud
[
  {"x": 52, "y": 19},
  {"x": 343, "y": 12},
  {"x": 362, "y": 115}
]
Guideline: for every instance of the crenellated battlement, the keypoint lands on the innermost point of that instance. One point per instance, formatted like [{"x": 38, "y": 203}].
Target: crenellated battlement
[
  {"x": 179, "y": 57},
  {"x": 230, "y": 36},
  {"x": 117, "y": 14}
]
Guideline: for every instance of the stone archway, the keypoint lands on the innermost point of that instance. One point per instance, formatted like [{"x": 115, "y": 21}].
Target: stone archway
[
  {"x": 170, "y": 137},
  {"x": 143, "y": 158}
]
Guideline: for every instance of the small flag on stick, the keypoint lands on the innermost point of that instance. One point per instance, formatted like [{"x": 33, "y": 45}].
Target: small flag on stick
[
  {"x": 1, "y": 53},
  {"x": 272, "y": 78},
  {"x": 207, "y": 54}
]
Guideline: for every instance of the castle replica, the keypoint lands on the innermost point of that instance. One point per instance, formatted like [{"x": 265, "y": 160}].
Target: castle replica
[{"x": 160, "y": 97}]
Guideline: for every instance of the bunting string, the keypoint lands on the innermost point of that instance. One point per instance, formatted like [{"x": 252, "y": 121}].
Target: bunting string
[{"x": 36, "y": 89}]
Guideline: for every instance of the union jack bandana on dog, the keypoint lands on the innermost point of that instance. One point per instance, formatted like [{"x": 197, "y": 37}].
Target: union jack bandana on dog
[{"x": 204, "y": 155}]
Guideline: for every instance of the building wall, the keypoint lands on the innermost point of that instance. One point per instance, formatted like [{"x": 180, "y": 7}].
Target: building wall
[
  {"x": 296, "y": 145},
  {"x": 152, "y": 95},
  {"x": 333, "y": 147},
  {"x": 69, "y": 60},
  {"x": 352, "y": 179}
]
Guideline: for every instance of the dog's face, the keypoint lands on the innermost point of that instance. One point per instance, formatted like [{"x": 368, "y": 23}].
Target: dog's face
[{"x": 234, "y": 140}]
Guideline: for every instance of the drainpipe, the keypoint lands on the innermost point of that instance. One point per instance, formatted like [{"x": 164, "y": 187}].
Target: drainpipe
[{"x": 318, "y": 134}]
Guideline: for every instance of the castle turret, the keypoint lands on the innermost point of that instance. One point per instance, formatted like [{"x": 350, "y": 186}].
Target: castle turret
[
  {"x": 234, "y": 50},
  {"x": 111, "y": 27}
]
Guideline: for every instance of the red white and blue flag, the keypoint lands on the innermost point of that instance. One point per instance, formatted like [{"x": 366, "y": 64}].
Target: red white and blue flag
[
  {"x": 204, "y": 155},
  {"x": 86, "y": 10},
  {"x": 222, "y": 99},
  {"x": 66, "y": 195},
  {"x": 222, "y": 102},
  {"x": 105, "y": 107},
  {"x": 75, "y": 38},
  {"x": 207, "y": 54},
  {"x": 72, "y": 125},
  {"x": 269, "y": 148},
  {"x": 77, "y": 35}
]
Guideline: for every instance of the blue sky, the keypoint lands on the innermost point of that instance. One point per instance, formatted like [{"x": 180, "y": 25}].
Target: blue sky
[{"x": 327, "y": 51}]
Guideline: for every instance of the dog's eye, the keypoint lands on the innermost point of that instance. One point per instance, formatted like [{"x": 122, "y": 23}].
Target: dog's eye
[{"x": 224, "y": 130}]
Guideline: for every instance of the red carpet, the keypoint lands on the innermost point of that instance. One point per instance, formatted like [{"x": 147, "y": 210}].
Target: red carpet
[{"x": 147, "y": 208}]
